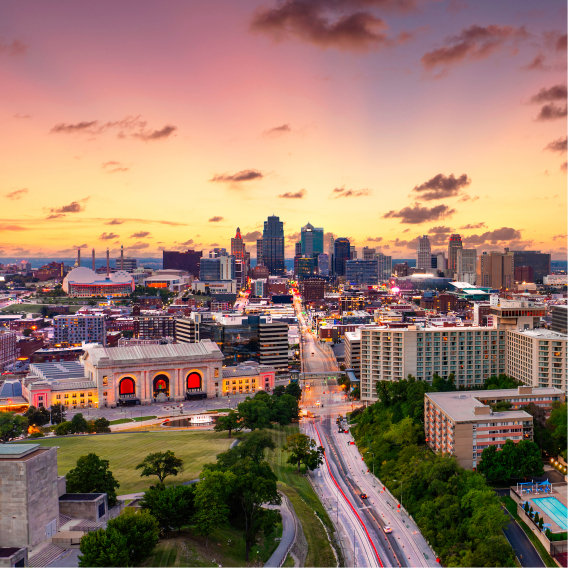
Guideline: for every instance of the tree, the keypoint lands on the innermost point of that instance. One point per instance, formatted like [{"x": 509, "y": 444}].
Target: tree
[
  {"x": 78, "y": 424},
  {"x": 279, "y": 390},
  {"x": 501, "y": 406},
  {"x": 58, "y": 413},
  {"x": 37, "y": 416},
  {"x": 12, "y": 426},
  {"x": 254, "y": 414},
  {"x": 303, "y": 450},
  {"x": 211, "y": 501},
  {"x": 229, "y": 422},
  {"x": 355, "y": 393},
  {"x": 558, "y": 424},
  {"x": 294, "y": 390},
  {"x": 173, "y": 507},
  {"x": 284, "y": 409},
  {"x": 27, "y": 332},
  {"x": 254, "y": 485},
  {"x": 528, "y": 460},
  {"x": 101, "y": 425},
  {"x": 160, "y": 464},
  {"x": 92, "y": 475},
  {"x": 141, "y": 532},
  {"x": 539, "y": 423},
  {"x": 103, "y": 548}
]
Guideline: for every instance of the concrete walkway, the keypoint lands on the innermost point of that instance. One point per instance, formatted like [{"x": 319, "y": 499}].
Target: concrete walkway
[{"x": 288, "y": 537}]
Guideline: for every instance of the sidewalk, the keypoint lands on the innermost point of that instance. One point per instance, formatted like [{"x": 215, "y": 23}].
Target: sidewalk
[{"x": 288, "y": 536}]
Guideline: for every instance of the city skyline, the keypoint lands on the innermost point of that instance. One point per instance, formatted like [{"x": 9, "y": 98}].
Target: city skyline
[{"x": 379, "y": 133}]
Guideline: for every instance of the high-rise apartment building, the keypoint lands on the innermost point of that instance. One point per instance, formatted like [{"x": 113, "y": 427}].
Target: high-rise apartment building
[
  {"x": 454, "y": 244},
  {"x": 495, "y": 270},
  {"x": 424, "y": 253},
  {"x": 466, "y": 261},
  {"x": 472, "y": 354},
  {"x": 369, "y": 253},
  {"x": 539, "y": 261},
  {"x": 341, "y": 253},
  {"x": 187, "y": 261},
  {"x": 323, "y": 264},
  {"x": 537, "y": 357},
  {"x": 311, "y": 241},
  {"x": 559, "y": 319},
  {"x": 273, "y": 246},
  {"x": 352, "y": 252},
  {"x": 353, "y": 351},
  {"x": 361, "y": 272},
  {"x": 79, "y": 328},
  {"x": 8, "y": 340},
  {"x": 384, "y": 267}
]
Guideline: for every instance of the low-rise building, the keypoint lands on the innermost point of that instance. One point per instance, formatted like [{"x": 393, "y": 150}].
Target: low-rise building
[
  {"x": 461, "y": 424},
  {"x": 248, "y": 377}
]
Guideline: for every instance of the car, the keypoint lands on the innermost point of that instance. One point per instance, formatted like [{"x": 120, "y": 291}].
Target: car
[
  {"x": 387, "y": 529},
  {"x": 364, "y": 496}
]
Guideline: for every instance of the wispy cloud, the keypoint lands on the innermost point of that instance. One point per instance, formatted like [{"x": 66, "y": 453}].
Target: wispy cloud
[
  {"x": 418, "y": 214},
  {"x": 342, "y": 192},
  {"x": 17, "y": 194},
  {"x": 277, "y": 131},
  {"x": 243, "y": 175},
  {"x": 216, "y": 219},
  {"x": 293, "y": 194}
]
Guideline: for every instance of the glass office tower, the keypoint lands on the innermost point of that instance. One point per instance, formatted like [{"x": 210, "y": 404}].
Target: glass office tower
[{"x": 273, "y": 246}]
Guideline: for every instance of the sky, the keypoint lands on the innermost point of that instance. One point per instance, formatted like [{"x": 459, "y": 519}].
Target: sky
[{"x": 167, "y": 125}]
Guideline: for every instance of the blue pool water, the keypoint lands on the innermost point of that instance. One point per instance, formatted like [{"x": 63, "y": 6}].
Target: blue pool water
[{"x": 554, "y": 509}]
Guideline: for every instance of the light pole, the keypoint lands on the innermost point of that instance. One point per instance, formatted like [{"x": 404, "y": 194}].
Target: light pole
[{"x": 373, "y": 454}]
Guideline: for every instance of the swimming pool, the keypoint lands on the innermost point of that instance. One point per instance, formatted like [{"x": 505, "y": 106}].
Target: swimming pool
[{"x": 554, "y": 509}]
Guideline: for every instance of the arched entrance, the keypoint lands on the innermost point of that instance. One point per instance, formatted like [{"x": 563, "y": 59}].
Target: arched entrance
[
  {"x": 194, "y": 385},
  {"x": 161, "y": 387},
  {"x": 127, "y": 392}
]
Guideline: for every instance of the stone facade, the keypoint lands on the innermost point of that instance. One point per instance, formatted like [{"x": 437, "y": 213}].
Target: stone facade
[
  {"x": 29, "y": 503},
  {"x": 149, "y": 373}
]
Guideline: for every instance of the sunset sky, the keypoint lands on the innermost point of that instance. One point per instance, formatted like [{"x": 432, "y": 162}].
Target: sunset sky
[{"x": 168, "y": 124}]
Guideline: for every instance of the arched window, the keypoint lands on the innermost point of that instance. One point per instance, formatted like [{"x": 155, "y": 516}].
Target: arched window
[
  {"x": 194, "y": 381},
  {"x": 161, "y": 385},
  {"x": 126, "y": 386}
]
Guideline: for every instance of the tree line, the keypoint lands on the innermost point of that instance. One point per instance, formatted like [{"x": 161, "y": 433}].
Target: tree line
[
  {"x": 455, "y": 509},
  {"x": 263, "y": 410}
]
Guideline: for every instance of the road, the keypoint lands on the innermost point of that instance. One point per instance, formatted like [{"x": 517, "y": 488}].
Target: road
[
  {"x": 316, "y": 358},
  {"x": 361, "y": 540}
]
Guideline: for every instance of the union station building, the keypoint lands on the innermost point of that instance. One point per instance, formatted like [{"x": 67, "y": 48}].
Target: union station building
[{"x": 144, "y": 374}]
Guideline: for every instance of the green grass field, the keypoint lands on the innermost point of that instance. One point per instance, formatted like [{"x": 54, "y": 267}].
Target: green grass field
[
  {"x": 306, "y": 504},
  {"x": 33, "y": 308},
  {"x": 125, "y": 451}
]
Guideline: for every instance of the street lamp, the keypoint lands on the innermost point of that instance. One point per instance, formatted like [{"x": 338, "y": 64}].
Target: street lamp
[{"x": 373, "y": 454}]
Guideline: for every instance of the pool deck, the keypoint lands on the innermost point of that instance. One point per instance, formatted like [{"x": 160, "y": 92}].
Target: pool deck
[{"x": 559, "y": 490}]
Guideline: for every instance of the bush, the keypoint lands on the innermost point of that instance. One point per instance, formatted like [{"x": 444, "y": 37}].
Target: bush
[
  {"x": 141, "y": 531},
  {"x": 63, "y": 429},
  {"x": 36, "y": 435}
]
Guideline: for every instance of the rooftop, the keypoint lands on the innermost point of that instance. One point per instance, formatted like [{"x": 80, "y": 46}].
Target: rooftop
[
  {"x": 17, "y": 450},
  {"x": 110, "y": 355},
  {"x": 80, "y": 496},
  {"x": 54, "y": 371},
  {"x": 540, "y": 333}
]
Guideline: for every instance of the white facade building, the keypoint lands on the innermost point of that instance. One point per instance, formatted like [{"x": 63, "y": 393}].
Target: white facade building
[
  {"x": 537, "y": 357},
  {"x": 472, "y": 354}
]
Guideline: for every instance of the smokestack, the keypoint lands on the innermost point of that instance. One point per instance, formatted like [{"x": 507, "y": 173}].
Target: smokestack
[
  {"x": 93, "y": 260},
  {"x": 121, "y": 257},
  {"x": 108, "y": 265},
  {"x": 78, "y": 257}
]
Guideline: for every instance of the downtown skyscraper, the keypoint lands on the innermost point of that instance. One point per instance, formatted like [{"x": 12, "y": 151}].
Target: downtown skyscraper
[
  {"x": 273, "y": 246},
  {"x": 424, "y": 253}
]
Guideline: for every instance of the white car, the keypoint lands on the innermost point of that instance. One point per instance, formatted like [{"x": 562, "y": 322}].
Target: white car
[{"x": 387, "y": 529}]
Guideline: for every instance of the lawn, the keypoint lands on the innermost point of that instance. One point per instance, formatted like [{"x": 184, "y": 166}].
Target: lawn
[
  {"x": 125, "y": 451},
  {"x": 306, "y": 504}
]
